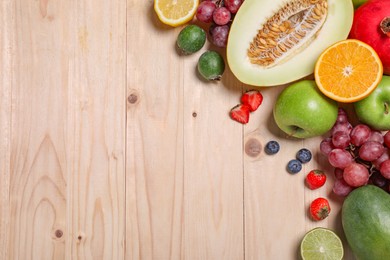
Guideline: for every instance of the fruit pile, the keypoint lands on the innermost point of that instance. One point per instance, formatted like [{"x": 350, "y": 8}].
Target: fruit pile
[
  {"x": 359, "y": 155},
  {"x": 280, "y": 42}
]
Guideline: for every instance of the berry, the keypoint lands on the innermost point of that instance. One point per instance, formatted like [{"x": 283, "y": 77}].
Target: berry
[
  {"x": 360, "y": 134},
  {"x": 315, "y": 179},
  {"x": 221, "y": 15},
  {"x": 340, "y": 158},
  {"x": 387, "y": 139},
  {"x": 240, "y": 113},
  {"x": 294, "y": 166},
  {"x": 356, "y": 175},
  {"x": 341, "y": 139},
  {"x": 219, "y": 35},
  {"x": 385, "y": 169},
  {"x": 205, "y": 11},
  {"x": 319, "y": 208},
  {"x": 252, "y": 98},
  {"x": 326, "y": 146},
  {"x": 272, "y": 147},
  {"x": 371, "y": 151},
  {"x": 304, "y": 155},
  {"x": 233, "y": 5},
  {"x": 341, "y": 188}
]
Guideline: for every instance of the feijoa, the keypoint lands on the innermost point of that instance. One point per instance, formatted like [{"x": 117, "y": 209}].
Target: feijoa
[
  {"x": 211, "y": 65},
  {"x": 191, "y": 39}
]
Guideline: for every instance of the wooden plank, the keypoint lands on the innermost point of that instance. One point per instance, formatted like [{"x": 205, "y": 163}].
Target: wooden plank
[
  {"x": 97, "y": 129},
  {"x": 38, "y": 166},
  {"x": 6, "y": 68},
  {"x": 213, "y": 160},
  {"x": 154, "y": 183},
  {"x": 274, "y": 199}
]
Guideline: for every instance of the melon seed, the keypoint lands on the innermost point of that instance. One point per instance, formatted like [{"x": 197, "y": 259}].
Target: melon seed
[{"x": 290, "y": 29}]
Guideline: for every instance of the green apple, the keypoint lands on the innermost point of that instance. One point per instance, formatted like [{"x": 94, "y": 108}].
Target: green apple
[
  {"x": 357, "y": 3},
  {"x": 302, "y": 111},
  {"x": 374, "y": 110}
]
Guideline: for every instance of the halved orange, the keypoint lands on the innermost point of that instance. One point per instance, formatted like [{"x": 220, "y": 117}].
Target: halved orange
[
  {"x": 175, "y": 12},
  {"x": 348, "y": 71}
]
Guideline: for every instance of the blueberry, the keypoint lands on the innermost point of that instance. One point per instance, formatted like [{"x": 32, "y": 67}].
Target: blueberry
[
  {"x": 272, "y": 147},
  {"x": 304, "y": 155},
  {"x": 294, "y": 166}
]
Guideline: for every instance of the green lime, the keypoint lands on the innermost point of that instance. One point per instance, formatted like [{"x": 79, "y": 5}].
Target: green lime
[{"x": 321, "y": 244}]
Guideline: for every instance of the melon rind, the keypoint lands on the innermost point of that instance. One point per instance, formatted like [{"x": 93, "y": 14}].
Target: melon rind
[{"x": 249, "y": 19}]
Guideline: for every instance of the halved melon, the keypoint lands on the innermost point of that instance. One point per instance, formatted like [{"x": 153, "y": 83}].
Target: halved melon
[{"x": 274, "y": 42}]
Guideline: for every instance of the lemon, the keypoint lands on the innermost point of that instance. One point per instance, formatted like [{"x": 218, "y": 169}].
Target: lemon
[
  {"x": 321, "y": 244},
  {"x": 175, "y": 12}
]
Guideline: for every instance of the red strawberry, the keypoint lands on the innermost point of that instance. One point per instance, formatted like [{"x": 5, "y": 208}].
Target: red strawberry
[
  {"x": 253, "y": 98},
  {"x": 319, "y": 208},
  {"x": 315, "y": 179},
  {"x": 240, "y": 113}
]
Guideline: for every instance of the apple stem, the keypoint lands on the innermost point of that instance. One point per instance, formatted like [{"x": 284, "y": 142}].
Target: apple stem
[
  {"x": 386, "y": 108},
  {"x": 385, "y": 26}
]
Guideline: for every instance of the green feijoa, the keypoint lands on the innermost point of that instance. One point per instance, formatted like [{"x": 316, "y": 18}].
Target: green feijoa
[
  {"x": 211, "y": 65},
  {"x": 191, "y": 39}
]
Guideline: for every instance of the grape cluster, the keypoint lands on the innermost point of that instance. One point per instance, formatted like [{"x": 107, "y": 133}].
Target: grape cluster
[
  {"x": 359, "y": 154},
  {"x": 218, "y": 13}
]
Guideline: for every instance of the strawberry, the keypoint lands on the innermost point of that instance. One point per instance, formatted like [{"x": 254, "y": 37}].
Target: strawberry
[
  {"x": 315, "y": 179},
  {"x": 319, "y": 208},
  {"x": 253, "y": 98},
  {"x": 240, "y": 113}
]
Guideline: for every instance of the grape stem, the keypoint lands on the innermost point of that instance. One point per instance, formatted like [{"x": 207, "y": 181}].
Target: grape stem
[
  {"x": 219, "y": 3},
  {"x": 354, "y": 151}
]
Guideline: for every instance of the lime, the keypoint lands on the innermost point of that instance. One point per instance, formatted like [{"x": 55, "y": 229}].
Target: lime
[{"x": 321, "y": 244}]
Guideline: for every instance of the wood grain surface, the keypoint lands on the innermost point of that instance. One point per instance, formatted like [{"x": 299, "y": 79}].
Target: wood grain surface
[{"x": 113, "y": 147}]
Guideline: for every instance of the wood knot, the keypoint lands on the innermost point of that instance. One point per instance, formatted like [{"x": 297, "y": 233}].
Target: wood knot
[
  {"x": 59, "y": 233},
  {"x": 253, "y": 147},
  {"x": 133, "y": 97}
]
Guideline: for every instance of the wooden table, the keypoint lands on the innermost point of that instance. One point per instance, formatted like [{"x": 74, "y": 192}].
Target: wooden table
[{"x": 112, "y": 147}]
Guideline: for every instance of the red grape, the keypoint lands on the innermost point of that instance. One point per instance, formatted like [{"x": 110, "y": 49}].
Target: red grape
[
  {"x": 385, "y": 169},
  {"x": 340, "y": 158},
  {"x": 340, "y": 139},
  {"x": 371, "y": 151},
  {"x": 343, "y": 127},
  {"x": 221, "y": 15},
  {"x": 338, "y": 173},
  {"x": 205, "y": 11},
  {"x": 376, "y": 136},
  {"x": 219, "y": 35},
  {"x": 360, "y": 134},
  {"x": 342, "y": 116},
  {"x": 378, "y": 180},
  {"x": 326, "y": 146},
  {"x": 385, "y": 156},
  {"x": 356, "y": 175},
  {"x": 341, "y": 188},
  {"x": 233, "y": 5},
  {"x": 387, "y": 139}
]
